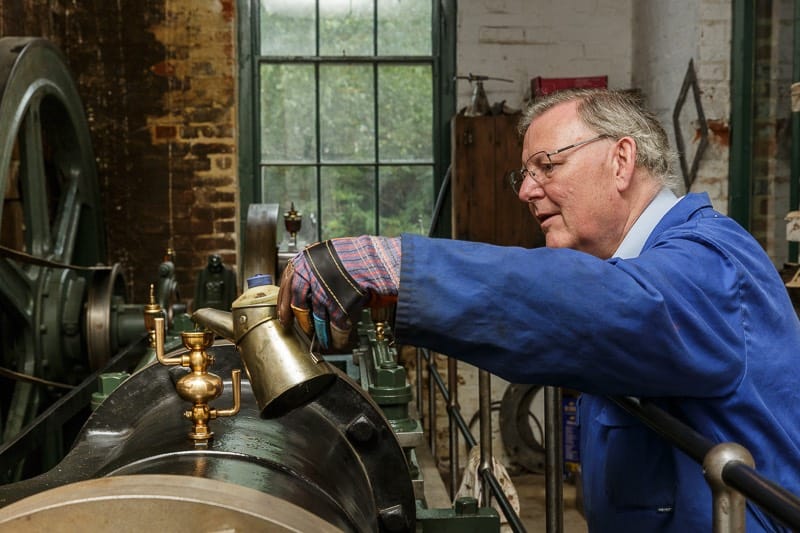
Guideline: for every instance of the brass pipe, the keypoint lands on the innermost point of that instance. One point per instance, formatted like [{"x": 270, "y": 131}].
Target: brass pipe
[
  {"x": 236, "y": 382},
  {"x": 158, "y": 324}
]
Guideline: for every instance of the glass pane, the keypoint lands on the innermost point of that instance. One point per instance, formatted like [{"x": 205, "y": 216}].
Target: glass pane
[
  {"x": 404, "y": 27},
  {"x": 284, "y": 185},
  {"x": 348, "y": 201},
  {"x": 287, "y": 113},
  {"x": 405, "y": 119},
  {"x": 345, "y": 28},
  {"x": 406, "y": 200},
  {"x": 287, "y": 27},
  {"x": 346, "y": 113}
]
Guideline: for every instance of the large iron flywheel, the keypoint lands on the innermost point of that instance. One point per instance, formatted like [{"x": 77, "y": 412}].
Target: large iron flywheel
[{"x": 51, "y": 229}]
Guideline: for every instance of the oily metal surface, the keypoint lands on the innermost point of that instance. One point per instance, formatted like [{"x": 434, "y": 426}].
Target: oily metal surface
[
  {"x": 307, "y": 458},
  {"x": 177, "y": 504}
]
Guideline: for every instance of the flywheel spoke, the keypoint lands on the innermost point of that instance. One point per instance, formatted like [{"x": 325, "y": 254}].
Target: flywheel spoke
[{"x": 34, "y": 187}]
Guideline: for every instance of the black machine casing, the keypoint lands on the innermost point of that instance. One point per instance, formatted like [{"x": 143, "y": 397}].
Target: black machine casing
[{"x": 336, "y": 457}]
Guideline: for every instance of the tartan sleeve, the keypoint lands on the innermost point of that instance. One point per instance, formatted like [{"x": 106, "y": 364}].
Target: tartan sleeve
[{"x": 343, "y": 275}]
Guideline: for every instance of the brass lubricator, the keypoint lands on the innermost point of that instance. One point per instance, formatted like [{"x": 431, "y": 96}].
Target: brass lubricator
[
  {"x": 198, "y": 386},
  {"x": 152, "y": 310}
]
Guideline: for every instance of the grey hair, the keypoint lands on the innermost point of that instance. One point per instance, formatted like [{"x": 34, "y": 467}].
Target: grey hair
[{"x": 617, "y": 114}]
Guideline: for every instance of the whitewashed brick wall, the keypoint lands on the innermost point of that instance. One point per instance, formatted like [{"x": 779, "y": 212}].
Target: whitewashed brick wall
[{"x": 522, "y": 39}]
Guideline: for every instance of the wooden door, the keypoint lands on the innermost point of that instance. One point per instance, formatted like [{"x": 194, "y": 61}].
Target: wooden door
[{"x": 485, "y": 208}]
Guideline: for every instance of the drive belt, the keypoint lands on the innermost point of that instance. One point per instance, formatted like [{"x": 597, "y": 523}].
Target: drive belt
[{"x": 33, "y": 260}]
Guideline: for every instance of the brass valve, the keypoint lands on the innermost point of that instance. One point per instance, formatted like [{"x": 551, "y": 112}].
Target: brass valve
[{"x": 198, "y": 386}]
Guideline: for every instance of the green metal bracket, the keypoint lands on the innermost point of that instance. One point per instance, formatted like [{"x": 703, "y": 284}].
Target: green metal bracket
[
  {"x": 106, "y": 384},
  {"x": 464, "y": 517}
]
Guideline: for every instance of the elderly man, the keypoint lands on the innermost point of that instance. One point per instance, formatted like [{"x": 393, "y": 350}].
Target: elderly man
[{"x": 637, "y": 293}]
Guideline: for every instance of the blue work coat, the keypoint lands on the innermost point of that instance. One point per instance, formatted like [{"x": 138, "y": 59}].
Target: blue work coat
[{"x": 700, "y": 323}]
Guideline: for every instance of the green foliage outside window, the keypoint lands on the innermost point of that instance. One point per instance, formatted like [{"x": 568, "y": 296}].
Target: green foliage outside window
[{"x": 346, "y": 114}]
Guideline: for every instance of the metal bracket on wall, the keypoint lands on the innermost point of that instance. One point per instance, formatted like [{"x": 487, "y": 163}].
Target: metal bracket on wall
[{"x": 690, "y": 82}]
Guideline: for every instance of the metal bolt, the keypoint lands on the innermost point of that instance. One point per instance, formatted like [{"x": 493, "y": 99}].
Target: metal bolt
[
  {"x": 393, "y": 518},
  {"x": 466, "y": 506},
  {"x": 361, "y": 430}
]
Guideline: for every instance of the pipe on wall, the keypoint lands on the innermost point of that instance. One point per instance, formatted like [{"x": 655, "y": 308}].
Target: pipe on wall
[{"x": 742, "y": 79}]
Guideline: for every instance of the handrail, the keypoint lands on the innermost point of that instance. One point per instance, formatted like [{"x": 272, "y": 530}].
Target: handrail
[
  {"x": 454, "y": 413},
  {"x": 736, "y": 474},
  {"x": 771, "y": 497}
]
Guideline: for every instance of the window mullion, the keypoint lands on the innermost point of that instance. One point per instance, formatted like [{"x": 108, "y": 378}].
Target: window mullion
[
  {"x": 376, "y": 124},
  {"x": 318, "y": 125}
]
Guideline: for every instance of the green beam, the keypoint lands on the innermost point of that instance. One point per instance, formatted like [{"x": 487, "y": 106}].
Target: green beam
[
  {"x": 741, "y": 127},
  {"x": 445, "y": 103}
]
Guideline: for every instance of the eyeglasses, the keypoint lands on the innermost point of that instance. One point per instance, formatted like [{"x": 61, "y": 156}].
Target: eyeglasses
[{"x": 539, "y": 166}]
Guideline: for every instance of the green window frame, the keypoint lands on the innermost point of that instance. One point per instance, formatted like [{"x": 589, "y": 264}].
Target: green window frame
[{"x": 345, "y": 113}]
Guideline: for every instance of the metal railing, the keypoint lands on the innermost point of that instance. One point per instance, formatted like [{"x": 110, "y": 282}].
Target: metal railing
[
  {"x": 458, "y": 426},
  {"x": 728, "y": 467}
]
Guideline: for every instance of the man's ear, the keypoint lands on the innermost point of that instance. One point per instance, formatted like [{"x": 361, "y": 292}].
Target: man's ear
[{"x": 624, "y": 162}]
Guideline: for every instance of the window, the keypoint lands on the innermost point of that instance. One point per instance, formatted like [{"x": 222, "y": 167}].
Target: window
[{"x": 348, "y": 106}]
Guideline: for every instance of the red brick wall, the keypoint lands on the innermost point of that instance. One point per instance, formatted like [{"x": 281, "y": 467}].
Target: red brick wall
[{"x": 157, "y": 80}]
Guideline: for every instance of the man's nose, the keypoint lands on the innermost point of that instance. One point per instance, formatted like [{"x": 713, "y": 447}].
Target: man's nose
[{"x": 529, "y": 189}]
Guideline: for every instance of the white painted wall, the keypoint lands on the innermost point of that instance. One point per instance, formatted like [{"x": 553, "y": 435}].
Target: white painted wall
[
  {"x": 641, "y": 44},
  {"x": 522, "y": 39}
]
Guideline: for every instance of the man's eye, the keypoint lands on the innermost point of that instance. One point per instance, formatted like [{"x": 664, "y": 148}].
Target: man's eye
[{"x": 547, "y": 167}]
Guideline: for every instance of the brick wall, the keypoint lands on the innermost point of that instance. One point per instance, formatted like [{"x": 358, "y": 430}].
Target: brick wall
[
  {"x": 157, "y": 82},
  {"x": 772, "y": 126}
]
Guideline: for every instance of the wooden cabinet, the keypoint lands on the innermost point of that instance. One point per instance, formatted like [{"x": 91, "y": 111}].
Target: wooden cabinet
[{"x": 485, "y": 208}]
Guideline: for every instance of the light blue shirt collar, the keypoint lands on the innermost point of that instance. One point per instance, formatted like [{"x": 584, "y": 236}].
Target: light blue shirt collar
[{"x": 634, "y": 240}]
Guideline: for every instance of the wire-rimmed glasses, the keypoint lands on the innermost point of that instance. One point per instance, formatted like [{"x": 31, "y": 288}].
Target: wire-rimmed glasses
[{"x": 539, "y": 166}]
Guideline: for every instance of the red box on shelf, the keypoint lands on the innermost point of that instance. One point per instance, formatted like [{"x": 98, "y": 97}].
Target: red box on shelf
[{"x": 542, "y": 86}]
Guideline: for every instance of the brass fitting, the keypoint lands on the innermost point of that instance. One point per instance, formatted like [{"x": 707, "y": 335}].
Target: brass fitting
[
  {"x": 152, "y": 310},
  {"x": 198, "y": 386}
]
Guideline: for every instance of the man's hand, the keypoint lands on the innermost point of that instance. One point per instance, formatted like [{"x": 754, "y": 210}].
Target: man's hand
[{"x": 331, "y": 281}]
